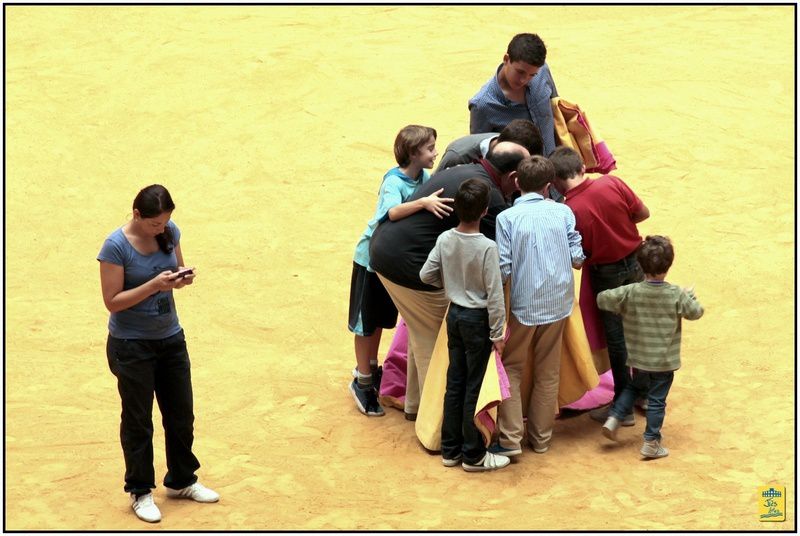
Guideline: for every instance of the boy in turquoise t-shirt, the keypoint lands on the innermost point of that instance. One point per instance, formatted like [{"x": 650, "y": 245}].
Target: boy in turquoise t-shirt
[{"x": 371, "y": 308}]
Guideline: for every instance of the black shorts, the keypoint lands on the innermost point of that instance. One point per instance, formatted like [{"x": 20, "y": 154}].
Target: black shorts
[{"x": 370, "y": 305}]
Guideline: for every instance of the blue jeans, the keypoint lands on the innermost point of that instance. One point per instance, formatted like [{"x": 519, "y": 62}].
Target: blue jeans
[
  {"x": 154, "y": 367},
  {"x": 605, "y": 277},
  {"x": 469, "y": 347},
  {"x": 651, "y": 385}
]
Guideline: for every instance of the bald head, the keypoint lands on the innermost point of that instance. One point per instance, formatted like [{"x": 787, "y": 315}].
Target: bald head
[{"x": 506, "y": 155}]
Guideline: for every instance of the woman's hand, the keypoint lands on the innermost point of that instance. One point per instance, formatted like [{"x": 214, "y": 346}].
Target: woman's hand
[
  {"x": 166, "y": 280},
  {"x": 187, "y": 279}
]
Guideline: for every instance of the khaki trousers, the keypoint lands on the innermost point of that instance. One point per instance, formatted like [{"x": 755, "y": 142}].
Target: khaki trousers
[
  {"x": 537, "y": 347},
  {"x": 424, "y": 313}
]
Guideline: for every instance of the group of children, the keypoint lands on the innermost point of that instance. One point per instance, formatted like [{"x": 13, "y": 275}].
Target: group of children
[{"x": 538, "y": 244}]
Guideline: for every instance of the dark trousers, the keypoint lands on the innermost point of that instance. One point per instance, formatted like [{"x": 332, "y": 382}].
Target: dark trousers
[
  {"x": 144, "y": 367},
  {"x": 605, "y": 277},
  {"x": 654, "y": 386},
  {"x": 469, "y": 348}
]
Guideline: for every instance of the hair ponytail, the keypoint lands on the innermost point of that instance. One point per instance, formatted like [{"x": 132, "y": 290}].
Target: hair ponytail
[{"x": 154, "y": 201}]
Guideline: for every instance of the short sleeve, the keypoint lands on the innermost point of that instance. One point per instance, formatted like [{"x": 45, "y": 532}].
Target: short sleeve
[
  {"x": 632, "y": 201},
  {"x": 391, "y": 195},
  {"x": 112, "y": 252},
  {"x": 176, "y": 233}
]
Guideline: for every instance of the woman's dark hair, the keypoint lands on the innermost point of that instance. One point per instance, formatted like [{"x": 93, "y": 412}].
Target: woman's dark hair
[{"x": 154, "y": 201}]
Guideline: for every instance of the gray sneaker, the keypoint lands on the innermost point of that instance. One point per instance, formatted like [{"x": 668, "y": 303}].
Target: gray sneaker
[
  {"x": 496, "y": 448},
  {"x": 611, "y": 427},
  {"x": 366, "y": 400},
  {"x": 601, "y": 415},
  {"x": 451, "y": 462},
  {"x": 653, "y": 449}
]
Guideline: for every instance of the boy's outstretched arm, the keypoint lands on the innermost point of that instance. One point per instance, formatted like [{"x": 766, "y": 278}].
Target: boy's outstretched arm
[
  {"x": 613, "y": 300},
  {"x": 688, "y": 306}
]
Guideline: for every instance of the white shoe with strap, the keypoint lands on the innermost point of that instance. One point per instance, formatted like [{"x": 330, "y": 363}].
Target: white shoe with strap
[
  {"x": 196, "y": 492},
  {"x": 145, "y": 508}
]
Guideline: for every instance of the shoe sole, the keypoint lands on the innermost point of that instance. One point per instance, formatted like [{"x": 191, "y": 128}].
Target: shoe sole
[
  {"x": 450, "y": 463},
  {"x": 410, "y": 416},
  {"x": 654, "y": 456},
  {"x": 145, "y": 519},
  {"x": 181, "y": 497},
  {"x": 610, "y": 434},
  {"x": 541, "y": 451},
  {"x": 360, "y": 407},
  {"x": 479, "y": 468},
  {"x": 148, "y": 520}
]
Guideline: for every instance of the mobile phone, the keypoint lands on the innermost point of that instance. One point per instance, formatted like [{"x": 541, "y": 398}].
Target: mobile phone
[{"x": 183, "y": 273}]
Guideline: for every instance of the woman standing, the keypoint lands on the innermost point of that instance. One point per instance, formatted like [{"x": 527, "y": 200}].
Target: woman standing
[{"x": 140, "y": 265}]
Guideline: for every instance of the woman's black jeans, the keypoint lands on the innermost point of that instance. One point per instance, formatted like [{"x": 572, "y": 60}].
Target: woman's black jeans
[{"x": 144, "y": 367}]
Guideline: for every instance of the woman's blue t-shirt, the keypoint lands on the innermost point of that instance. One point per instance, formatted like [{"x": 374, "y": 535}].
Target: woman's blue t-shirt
[{"x": 154, "y": 317}]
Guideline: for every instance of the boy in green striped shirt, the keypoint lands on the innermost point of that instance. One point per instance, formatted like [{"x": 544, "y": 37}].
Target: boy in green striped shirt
[{"x": 651, "y": 314}]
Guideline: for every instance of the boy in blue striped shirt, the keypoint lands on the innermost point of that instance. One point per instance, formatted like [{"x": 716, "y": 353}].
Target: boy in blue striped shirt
[{"x": 538, "y": 246}]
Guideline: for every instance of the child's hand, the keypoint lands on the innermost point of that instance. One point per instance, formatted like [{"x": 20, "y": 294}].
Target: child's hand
[
  {"x": 499, "y": 346},
  {"x": 437, "y": 205},
  {"x": 690, "y": 292}
]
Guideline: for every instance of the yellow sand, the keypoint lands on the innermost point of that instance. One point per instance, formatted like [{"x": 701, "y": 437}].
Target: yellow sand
[{"x": 272, "y": 127}]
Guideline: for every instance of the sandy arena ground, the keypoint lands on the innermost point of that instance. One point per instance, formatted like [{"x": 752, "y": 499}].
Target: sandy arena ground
[{"x": 272, "y": 127}]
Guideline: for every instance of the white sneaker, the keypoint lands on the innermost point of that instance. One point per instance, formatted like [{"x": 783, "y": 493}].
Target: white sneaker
[
  {"x": 653, "y": 449},
  {"x": 145, "y": 509},
  {"x": 196, "y": 492},
  {"x": 489, "y": 463},
  {"x": 611, "y": 427}
]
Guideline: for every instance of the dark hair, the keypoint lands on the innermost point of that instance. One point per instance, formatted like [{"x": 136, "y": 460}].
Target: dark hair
[
  {"x": 527, "y": 47},
  {"x": 151, "y": 202},
  {"x": 567, "y": 162},
  {"x": 410, "y": 139},
  {"x": 471, "y": 199},
  {"x": 655, "y": 255},
  {"x": 534, "y": 172},
  {"x": 525, "y": 133},
  {"x": 504, "y": 160}
]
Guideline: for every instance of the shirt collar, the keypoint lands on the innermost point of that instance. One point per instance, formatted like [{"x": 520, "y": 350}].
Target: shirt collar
[
  {"x": 493, "y": 174},
  {"x": 579, "y": 188},
  {"x": 498, "y": 91},
  {"x": 532, "y": 196}
]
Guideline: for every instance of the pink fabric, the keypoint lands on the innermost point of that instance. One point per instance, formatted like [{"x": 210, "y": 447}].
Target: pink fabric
[
  {"x": 599, "y": 396},
  {"x": 505, "y": 385},
  {"x": 393, "y": 381},
  {"x": 483, "y": 416},
  {"x": 605, "y": 160},
  {"x": 602, "y": 154},
  {"x": 592, "y": 323}
]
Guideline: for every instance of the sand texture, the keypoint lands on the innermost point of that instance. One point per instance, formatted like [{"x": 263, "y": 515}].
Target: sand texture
[{"x": 272, "y": 127}]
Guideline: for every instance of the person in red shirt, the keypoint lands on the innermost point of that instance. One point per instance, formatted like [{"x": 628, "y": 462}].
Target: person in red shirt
[{"x": 606, "y": 213}]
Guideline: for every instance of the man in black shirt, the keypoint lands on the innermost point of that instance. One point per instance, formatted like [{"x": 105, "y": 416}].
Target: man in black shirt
[{"x": 398, "y": 250}]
